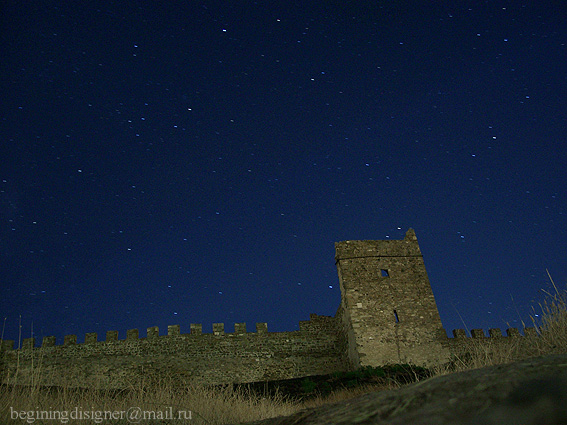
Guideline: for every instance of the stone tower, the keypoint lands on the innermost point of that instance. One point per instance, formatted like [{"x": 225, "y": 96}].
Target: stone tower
[{"x": 387, "y": 307}]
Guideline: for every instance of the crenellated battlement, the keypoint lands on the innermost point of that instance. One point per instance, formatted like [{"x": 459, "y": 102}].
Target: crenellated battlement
[
  {"x": 494, "y": 333},
  {"x": 495, "y": 341},
  {"x": 315, "y": 323},
  {"x": 196, "y": 329},
  {"x": 212, "y": 358}
]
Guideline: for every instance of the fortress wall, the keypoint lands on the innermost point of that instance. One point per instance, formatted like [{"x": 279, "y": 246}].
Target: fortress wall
[
  {"x": 387, "y": 315},
  {"x": 345, "y": 334},
  {"x": 462, "y": 345},
  {"x": 319, "y": 347},
  {"x": 214, "y": 358}
]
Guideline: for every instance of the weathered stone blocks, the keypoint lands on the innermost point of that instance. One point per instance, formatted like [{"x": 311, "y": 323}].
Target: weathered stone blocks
[{"x": 387, "y": 314}]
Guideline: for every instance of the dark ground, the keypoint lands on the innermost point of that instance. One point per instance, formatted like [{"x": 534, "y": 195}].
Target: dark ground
[{"x": 529, "y": 392}]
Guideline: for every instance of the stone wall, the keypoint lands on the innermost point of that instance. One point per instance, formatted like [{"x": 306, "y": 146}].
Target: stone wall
[
  {"x": 461, "y": 345},
  {"x": 387, "y": 315},
  {"x": 214, "y": 358}
]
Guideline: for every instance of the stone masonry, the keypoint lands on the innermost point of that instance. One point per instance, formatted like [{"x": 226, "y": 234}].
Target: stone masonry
[
  {"x": 387, "y": 315},
  {"x": 389, "y": 312}
]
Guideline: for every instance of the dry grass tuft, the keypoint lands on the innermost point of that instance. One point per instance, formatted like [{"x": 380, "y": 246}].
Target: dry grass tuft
[
  {"x": 552, "y": 323},
  {"x": 550, "y": 338},
  {"x": 346, "y": 394},
  {"x": 207, "y": 405}
]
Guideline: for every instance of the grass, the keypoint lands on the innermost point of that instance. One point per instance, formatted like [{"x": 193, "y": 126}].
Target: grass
[
  {"x": 224, "y": 405},
  {"x": 346, "y": 394},
  {"x": 202, "y": 405},
  {"x": 205, "y": 405},
  {"x": 552, "y": 323}
]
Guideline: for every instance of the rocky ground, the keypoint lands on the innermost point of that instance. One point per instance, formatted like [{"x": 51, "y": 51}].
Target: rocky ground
[{"x": 530, "y": 392}]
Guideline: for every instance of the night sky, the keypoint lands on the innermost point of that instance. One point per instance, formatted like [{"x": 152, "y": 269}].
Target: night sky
[{"x": 184, "y": 162}]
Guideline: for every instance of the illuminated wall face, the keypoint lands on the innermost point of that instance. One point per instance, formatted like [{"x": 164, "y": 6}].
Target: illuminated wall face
[{"x": 390, "y": 312}]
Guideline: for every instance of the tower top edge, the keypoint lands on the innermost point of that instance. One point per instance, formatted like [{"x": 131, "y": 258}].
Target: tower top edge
[
  {"x": 406, "y": 247},
  {"x": 410, "y": 236}
]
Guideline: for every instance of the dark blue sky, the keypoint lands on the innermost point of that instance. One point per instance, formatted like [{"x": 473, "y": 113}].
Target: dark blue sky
[{"x": 194, "y": 162}]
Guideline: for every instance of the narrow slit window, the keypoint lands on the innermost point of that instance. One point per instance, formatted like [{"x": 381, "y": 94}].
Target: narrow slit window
[
  {"x": 396, "y": 316},
  {"x": 384, "y": 273}
]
